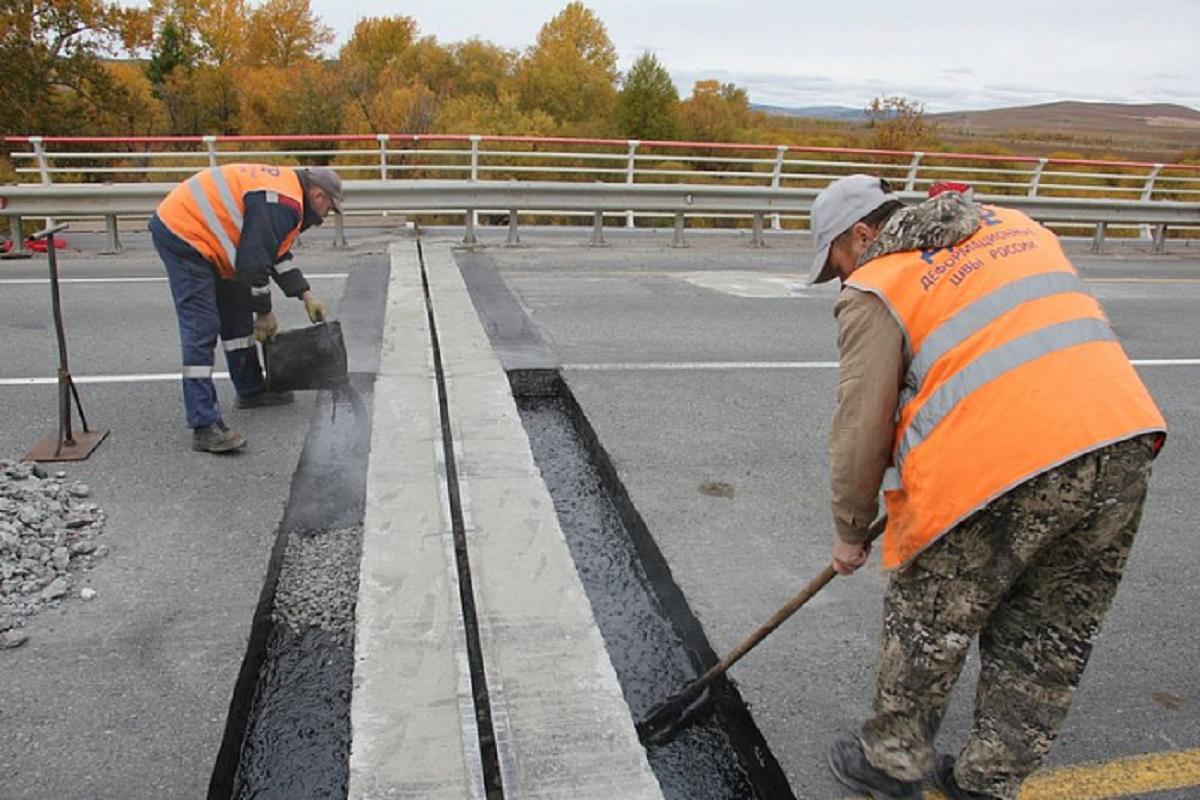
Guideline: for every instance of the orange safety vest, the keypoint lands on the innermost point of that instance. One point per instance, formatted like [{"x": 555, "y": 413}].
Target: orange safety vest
[
  {"x": 206, "y": 210},
  {"x": 1013, "y": 370}
]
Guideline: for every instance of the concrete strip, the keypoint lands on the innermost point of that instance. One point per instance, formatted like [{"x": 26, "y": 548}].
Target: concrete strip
[
  {"x": 563, "y": 728},
  {"x": 408, "y": 735}
]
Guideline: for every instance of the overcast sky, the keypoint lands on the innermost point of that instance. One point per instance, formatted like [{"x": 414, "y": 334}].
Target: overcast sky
[{"x": 949, "y": 55}]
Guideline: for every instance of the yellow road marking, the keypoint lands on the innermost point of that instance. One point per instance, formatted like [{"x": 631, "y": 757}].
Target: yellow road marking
[
  {"x": 1110, "y": 780},
  {"x": 1122, "y": 777}
]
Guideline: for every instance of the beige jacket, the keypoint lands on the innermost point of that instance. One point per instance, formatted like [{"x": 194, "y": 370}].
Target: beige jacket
[{"x": 872, "y": 363}]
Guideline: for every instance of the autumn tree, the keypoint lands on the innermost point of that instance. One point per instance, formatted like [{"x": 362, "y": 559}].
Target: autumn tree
[
  {"x": 482, "y": 68},
  {"x": 200, "y": 89},
  {"x": 376, "y": 44},
  {"x": 646, "y": 109},
  {"x": 52, "y": 54},
  {"x": 571, "y": 72},
  {"x": 898, "y": 123},
  {"x": 715, "y": 112},
  {"x": 282, "y": 33},
  {"x": 303, "y": 98}
]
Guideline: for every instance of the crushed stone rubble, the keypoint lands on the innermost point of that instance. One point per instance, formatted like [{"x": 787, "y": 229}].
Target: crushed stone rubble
[
  {"x": 48, "y": 538},
  {"x": 318, "y": 583}
]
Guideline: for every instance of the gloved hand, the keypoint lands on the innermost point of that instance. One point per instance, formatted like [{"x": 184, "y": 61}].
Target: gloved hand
[
  {"x": 315, "y": 308},
  {"x": 265, "y": 326}
]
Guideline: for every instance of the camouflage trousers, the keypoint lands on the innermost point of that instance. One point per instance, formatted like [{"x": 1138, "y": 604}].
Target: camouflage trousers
[{"x": 1032, "y": 575}]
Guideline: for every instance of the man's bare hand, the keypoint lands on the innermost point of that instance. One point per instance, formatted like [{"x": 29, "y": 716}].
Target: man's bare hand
[{"x": 849, "y": 557}]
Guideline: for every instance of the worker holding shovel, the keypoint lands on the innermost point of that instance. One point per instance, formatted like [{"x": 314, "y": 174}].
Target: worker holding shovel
[
  {"x": 982, "y": 389},
  {"x": 223, "y": 236}
]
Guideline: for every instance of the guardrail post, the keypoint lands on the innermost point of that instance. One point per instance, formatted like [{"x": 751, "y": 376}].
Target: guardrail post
[
  {"x": 514, "y": 238},
  {"x": 114, "y": 243},
  {"x": 1098, "y": 236},
  {"x": 756, "y": 233},
  {"x": 630, "y": 169},
  {"x": 910, "y": 182},
  {"x": 1147, "y": 192},
  {"x": 475, "y": 137},
  {"x": 210, "y": 142},
  {"x": 469, "y": 234},
  {"x": 1160, "y": 238},
  {"x": 39, "y": 153},
  {"x": 677, "y": 238},
  {"x": 383, "y": 155},
  {"x": 597, "y": 230},
  {"x": 339, "y": 232},
  {"x": 18, "y": 241},
  {"x": 1036, "y": 179},
  {"x": 776, "y": 176}
]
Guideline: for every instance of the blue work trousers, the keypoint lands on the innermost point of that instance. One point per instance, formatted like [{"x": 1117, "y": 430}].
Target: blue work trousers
[{"x": 207, "y": 306}]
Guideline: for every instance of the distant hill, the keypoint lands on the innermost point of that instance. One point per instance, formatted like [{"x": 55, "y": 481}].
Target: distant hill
[
  {"x": 847, "y": 113},
  {"x": 1162, "y": 120}
]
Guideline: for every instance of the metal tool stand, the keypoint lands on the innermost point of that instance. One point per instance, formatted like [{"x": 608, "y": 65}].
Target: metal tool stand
[{"x": 66, "y": 446}]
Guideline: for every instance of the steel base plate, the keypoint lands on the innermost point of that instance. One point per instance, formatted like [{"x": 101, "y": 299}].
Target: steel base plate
[{"x": 48, "y": 449}]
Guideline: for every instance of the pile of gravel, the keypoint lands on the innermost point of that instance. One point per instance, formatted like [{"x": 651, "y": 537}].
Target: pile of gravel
[
  {"x": 48, "y": 532},
  {"x": 318, "y": 583}
]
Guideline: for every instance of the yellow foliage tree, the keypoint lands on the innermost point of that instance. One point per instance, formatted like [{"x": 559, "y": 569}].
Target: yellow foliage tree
[
  {"x": 482, "y": 68},
  {"x": 715, "y": 112},
  {"x": 284, "y": 32},
  {"x": 899, "y": 123},
  {"x": 478, "y": 113},
  {"x": 571, "y": 72},
  {"x": 376, "y": 44}
]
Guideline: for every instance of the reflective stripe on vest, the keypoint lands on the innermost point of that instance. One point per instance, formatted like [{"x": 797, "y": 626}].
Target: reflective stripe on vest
[
  {"x": 992, "y": 365},
  {"x": 1012, "y": 370},
  {"x": 210, "y": 218},
  {"x": 975, "y": 316}
]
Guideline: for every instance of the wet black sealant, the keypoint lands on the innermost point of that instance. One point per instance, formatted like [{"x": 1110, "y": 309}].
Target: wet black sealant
[
  {"x": 287, "y": 734},
  {"x": 656, "y": 644},
  {"x": 296, "y": 741}
]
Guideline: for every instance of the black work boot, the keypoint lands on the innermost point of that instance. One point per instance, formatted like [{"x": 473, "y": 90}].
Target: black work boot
[
  {"x": 943, "y": 778},
  {"x": 217, "y": 438},
  {"x": 850, "y": 766},
  {"x": 264, "y": 398}
]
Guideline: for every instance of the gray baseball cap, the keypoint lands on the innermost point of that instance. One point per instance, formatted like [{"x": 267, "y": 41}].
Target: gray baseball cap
[
  {"x": 836, "y": 209},
  {"x": 328, "y": 180}
]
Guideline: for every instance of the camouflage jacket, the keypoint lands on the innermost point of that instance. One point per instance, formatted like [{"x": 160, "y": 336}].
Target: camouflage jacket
[{"x": 941, "y": 221}]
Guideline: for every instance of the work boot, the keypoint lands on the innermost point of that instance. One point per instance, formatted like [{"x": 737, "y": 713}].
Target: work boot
[
  {"x": 850, "y": 766},
  {"x": 217, "y": 438},
  {"x": 264, "y": 398},
  {"x": 943, "y": 778}
]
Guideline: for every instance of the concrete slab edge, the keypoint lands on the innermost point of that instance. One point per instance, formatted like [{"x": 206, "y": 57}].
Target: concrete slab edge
[{"x": 563, "y": 728}]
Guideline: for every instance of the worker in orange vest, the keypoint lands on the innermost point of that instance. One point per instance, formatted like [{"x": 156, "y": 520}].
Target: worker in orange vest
[
  {"x": 223, "y": 236},
  {"x": 982, "y": 390}
]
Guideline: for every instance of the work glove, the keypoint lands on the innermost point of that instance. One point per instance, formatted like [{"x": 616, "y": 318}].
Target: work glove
[
  {"x": 315, "y": 308},
  {"x": 265, "y": 326}
]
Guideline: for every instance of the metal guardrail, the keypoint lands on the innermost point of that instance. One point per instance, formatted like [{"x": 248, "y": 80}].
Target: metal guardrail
[
  {"x": 479, "y": 157},
  {"x": 555, "y": 197},
  {"x": 581, "y": 177}
]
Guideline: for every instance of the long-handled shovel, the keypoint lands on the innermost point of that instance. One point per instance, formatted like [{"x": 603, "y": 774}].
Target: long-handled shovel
[{"x": 668, "y": 717}]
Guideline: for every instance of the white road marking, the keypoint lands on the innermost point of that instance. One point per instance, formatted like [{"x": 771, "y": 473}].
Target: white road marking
[
  {"x": 667, "y": 366},
  {"x": 162, "y": 279},
  {"x": 748, "y": 284},
  {"x": 143, "y": 378}
]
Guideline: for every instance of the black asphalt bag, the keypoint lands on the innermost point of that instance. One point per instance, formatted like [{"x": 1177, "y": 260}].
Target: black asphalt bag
[{"x": 306, "y": 358}]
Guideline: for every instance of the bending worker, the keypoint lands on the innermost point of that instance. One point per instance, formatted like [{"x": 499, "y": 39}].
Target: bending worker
[
  {"x": 983, "y": 390},
  {"x": 224, "y": 235}
]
